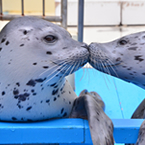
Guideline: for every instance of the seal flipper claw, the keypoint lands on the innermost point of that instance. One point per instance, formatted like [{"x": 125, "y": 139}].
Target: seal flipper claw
[{"x": 87, "y": 106}]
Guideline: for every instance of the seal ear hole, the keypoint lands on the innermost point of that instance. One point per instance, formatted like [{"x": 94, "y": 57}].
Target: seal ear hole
[
  {"x": 123, "y": 42},
  {"x": 50, "y": 38}
]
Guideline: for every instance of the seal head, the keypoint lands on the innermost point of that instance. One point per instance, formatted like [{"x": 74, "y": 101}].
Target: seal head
[{"x": 123, "y": 58}]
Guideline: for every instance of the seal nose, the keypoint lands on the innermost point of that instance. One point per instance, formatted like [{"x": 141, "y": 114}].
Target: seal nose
[
  {"x": 85, "y": 46},
  {"x": 92, "y": 44}
]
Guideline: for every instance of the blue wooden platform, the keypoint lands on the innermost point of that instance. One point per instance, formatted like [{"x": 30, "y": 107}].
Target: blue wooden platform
[
  {"x": 121, "y": 100},
  {"x": 64, "y": 131}
]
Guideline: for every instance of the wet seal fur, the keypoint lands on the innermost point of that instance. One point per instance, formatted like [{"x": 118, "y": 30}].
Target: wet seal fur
[
  {"x": 123, "y": 58},
  {"x": 35, "y": 57}
]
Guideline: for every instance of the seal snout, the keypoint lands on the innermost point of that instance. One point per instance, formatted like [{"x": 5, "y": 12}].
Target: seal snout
[{"x": 85, "y": 46}]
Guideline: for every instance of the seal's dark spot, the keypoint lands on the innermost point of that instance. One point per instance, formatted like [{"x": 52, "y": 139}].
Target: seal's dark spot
[
  {"x": 143, "y": 73},
  {"x": 65, "y": 114},
  {"x": 61, "y": 89},
  {"x": 69, "y": 102},
  {"x": 47, "y": 101},
  {"x": 124, "y": 66},
  {"x": 129, "y": 68},
  {"x": 69, "y": 92},
  {"x": 62, "y": 110},
  {"x": 56, "y": 86},
  {"x": 21, "y": 45},
  {"x": 34, "y": 63},
  {"x": 40, "y": 80},
  {"x": 32, "y": 90},
  {"x": 49, "y": 52},
  {"x": 142, "y": 43},
  {"x": 15, "y": 91},
  {"x": 54, "y": 92},
  {"x": 118, "y": 59},
  {"x": 34, "y": 94},
  {"x": 24, "y": 32},
  {"x": 58, "y": 96},
  {"x": 45, "y": 67},
  {"x": 22, "y": 97},
  {"x": 138, "y": 57},
  {"x": 64, "y": 47},
  {"x": 123, "y": 42},
  {"x": 54, "y": 99},
  {"x": 7, "y": 42},
  {"x": 19, "y": 106},
  {"x": 14, "y": 118},
  {"x": 29, "y": 108},
  {"x": 132, "y": 48},
  {"x": 31, "y": 83},
  {"x": 18, "y": 84},
  {"x": 0, "y": 48},
  {"x": 3, "y": 40},
  {"x": 3, "y": 93},
  {"x": 52, "y": 85},
  {"x": 134, "y": 44}
]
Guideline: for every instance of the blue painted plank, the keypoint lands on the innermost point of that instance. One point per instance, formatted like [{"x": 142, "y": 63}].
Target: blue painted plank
[
  {"x": 52, "y": 131},
  {"x": 126, "y": 130},
  {"x": 103, "y": 85},
  {"x": 64, "y": 131}
]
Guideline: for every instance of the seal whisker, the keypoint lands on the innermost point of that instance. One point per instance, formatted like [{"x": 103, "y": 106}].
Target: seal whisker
[
  {"x": 49, "y": 69},
  {"x": 61, "y": 68},
  {"x": 111, "y": 67}
]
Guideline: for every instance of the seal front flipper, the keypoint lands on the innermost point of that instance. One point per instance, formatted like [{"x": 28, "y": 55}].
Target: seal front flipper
[{"x": 90, "y": 106}]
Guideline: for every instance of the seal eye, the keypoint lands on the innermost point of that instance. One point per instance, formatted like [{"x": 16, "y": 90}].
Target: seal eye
[
  {"x": 50, "y": 38},
  {"x": 122, "y": 42}
]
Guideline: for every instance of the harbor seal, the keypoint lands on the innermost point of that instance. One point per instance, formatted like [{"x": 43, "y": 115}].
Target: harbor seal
[
  {"x": 35, "y": 57},
  {"x": 123, "y": 58}
]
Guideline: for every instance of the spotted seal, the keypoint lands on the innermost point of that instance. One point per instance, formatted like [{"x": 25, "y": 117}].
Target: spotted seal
[
  {"x": 35, "y": 57},
  {"x": 123, "y": 58}
]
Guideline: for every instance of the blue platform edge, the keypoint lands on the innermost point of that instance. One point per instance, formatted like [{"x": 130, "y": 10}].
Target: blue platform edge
[{"x": 74, "y": 131}]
